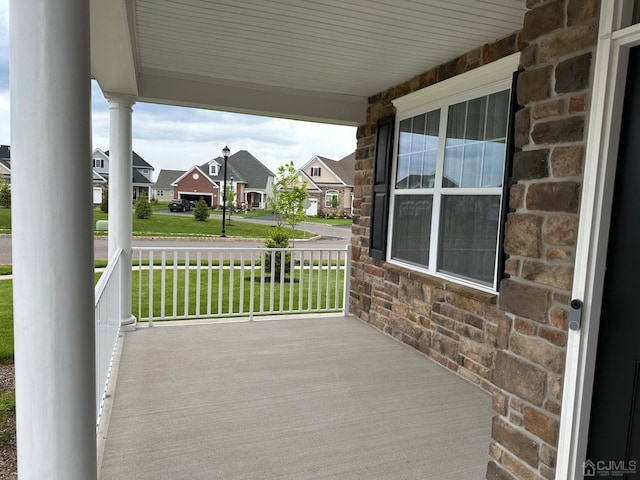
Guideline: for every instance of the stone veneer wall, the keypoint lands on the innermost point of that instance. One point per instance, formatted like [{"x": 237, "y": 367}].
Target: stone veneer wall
[{"x": 511, "y": 345}]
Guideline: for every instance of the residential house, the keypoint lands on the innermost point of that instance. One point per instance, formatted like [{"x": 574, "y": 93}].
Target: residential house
[
  {"x": 249, "y": 178},
  {"x": 494, "y": 185},
  {"x": 142, "y": 175},
  {"x": 5, "y": 163},
  {"x": 328, "y": 180},
  {"x": 162, "y": 188}
]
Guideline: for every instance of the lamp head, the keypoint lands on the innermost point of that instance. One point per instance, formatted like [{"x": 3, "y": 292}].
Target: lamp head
[{"x": 225, "y": 152}]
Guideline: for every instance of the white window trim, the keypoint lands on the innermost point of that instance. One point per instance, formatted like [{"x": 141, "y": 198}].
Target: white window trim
[
  {"x": 335, "y": 193},
  {"x": 615, "y": 37},
  {"x": 491, "y": 78}
]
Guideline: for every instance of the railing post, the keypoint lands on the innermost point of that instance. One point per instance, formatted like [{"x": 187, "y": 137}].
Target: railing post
[{"x": 347, "y": 281}]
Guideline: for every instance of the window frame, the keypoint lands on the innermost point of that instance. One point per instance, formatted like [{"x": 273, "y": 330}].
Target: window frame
[
  {"x": 334, "y": 193},
  {"x": 100, "y": 160},
  {"x": 316, "y": 172},
  {"x": 488, "y": 79}
]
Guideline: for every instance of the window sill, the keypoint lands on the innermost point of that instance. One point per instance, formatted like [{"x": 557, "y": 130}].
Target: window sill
[{"x": 477, "y": 292}]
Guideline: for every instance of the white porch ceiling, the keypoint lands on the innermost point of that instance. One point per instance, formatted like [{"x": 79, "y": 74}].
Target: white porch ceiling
[{"x": 305, "y": 59}]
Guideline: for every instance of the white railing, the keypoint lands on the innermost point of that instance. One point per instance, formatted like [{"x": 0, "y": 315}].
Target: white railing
[
  {"x": 107, "y": 325},
  {"x": 198, "y": 283}
]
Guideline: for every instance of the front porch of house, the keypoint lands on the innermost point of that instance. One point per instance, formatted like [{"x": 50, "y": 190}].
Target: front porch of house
[{"x": 321, "y": 397}]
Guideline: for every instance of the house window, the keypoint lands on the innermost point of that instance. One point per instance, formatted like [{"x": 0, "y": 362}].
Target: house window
[
  {"x": 98, "y": 163},
  {"x": 213, "y": 170},
  {"x": 331, "y": 199},
  {"x": 447, "y": 186},
  {"x": 315, "y": 171}
]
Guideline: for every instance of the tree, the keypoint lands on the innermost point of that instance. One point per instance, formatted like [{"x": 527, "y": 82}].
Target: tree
[
  {"x": 334, "y": 204},
  {"x": 201, "y": 212},
  {"x": 278, "y": 238},
  {"x": 5, "y": 194},
  {"x": 104, "y": 204},
  {"x": 231, "y": 201},
  {"x": 289, "y": 195},
  {"x": 143, "y": 208}
]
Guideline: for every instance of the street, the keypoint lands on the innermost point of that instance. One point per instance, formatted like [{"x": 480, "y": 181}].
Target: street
[{"x": 330, "y": 236}]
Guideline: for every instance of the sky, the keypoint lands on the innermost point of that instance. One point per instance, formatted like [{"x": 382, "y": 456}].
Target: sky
[{"x": 177, "y": 137}]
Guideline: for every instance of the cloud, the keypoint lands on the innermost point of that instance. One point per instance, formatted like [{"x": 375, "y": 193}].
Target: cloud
[{"x": 172, "y": 137}]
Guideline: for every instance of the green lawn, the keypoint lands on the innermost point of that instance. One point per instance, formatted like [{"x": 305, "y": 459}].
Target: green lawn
[
  {"x": 6, "y": 321},
  {"x": 159, "y": 225},
  {"x": 5, "y": 220}
]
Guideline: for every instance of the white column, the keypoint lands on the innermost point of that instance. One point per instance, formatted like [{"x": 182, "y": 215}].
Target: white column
[
  {"x": 121, "y": 195},
  {"x": 53, "y": 293}
]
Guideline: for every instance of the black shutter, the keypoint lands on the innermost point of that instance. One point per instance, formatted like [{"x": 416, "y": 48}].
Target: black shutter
[
  {"x": 380, "y": 193},
  {"x": 507, "y": 181}
]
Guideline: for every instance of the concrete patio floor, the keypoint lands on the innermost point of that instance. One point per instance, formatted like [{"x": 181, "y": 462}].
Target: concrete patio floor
[{"x": 289, "y": 399}]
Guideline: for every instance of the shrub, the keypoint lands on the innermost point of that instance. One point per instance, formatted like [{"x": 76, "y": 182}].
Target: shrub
[
  {"x": 104, "y": 204},
  {"x": 201, "y": 212},
  {"x": 5, "y": 194},
  {"x": 143, "y": 208},
  {"x": 278, "y": 238}
]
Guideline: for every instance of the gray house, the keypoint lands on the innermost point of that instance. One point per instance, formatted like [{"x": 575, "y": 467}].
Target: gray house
[{"x": 142, "y": 173}]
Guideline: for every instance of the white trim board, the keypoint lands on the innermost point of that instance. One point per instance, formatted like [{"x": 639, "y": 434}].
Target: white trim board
[{"x": 605, "y": 117}]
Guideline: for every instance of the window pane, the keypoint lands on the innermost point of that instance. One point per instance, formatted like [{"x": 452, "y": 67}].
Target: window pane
[
  {"x": 417, "y": 151},
  {"x": 455, "y": 124},
  {"x": 468, "y": 236},
  {"x": 494, "y": 155},
  {"x": 452, "y": 167},
  {"x": 472, "y": 165},
  {"x": 429, "y": 169},
  {"x": 404, "y": 143},
  {"x": 485, "y": 123},
  {"x": 476, "y": 118},
  {"x": 497, "y": 115},
  {"x": 418, "y": 134},
  {"x": 412, "y": 228},
  {"x": 415, "y": 170},
  {"x": 402, "y": 176}
]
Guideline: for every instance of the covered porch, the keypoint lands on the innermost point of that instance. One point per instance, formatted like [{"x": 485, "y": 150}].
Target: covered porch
[
  {"x": 173, "y": 401},
  {"x": 305, "y": 398}
]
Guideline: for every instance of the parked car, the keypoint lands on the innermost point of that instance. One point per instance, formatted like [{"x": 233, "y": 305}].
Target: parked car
[
  {"x": 193, "y": 203},
  {"x": 179, "y": 205}
]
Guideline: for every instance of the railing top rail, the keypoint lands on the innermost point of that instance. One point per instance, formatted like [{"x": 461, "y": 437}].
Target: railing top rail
[
  {"x": 104, "y": 278},
  {"x": 237, "y": 249}
]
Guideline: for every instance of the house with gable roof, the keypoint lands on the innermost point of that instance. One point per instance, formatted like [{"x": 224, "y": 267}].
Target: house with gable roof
[
  {"x": 142, "y": 172},
  {"x": 5, "y": 163},
  {"x": 250, "y": 179},
  {"x": 163, "y": 189},
  {"x": 328, "y": 179}
]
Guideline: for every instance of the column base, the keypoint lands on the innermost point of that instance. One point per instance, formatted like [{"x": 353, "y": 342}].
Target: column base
[{"x": 128, "y": 324}]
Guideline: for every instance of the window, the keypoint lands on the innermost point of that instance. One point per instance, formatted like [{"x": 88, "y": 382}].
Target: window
[
  {"x": 98, "y": 163},
  {"x": 331, "y": 199},
  {"x": 315, "y": 171},
  {"x": 213, "y": 169},
  {"x": 447, "y": 184}
]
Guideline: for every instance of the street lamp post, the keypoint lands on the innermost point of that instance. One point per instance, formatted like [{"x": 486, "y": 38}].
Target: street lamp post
[{"x": 225, "y": 154}]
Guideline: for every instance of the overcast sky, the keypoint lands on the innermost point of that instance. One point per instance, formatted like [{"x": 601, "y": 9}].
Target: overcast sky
[{"x": 177, "y": 138}]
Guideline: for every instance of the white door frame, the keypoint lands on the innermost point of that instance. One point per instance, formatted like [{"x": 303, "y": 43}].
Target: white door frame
[{"x": 605, "y": 116}]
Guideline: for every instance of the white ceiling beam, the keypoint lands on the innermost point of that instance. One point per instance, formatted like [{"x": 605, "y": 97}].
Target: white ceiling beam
[
  {"x": 113, "y": 58},
  {"x": 157, "y": 86}
]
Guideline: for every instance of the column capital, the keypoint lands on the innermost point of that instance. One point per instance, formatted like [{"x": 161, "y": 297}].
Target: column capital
[{"x": 120, "y": 100}]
